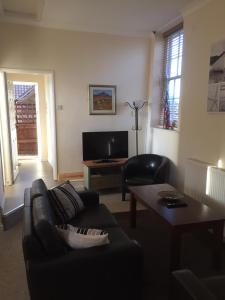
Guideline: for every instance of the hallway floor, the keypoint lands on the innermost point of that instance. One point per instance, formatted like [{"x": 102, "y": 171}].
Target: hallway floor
[{"x": 28, "y": 171}]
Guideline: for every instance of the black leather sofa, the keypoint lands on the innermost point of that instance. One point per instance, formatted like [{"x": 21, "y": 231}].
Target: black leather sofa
[
  {"x": 113, "y": 271},
  {"x": 144, "y": 169}
]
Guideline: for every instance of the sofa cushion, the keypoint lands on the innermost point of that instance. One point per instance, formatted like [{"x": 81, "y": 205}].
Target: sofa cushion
[
  {"x": 95, "y": 217},
  {"x": 44, "y": 227},
  {"x": 79, "y": 238},
  {"x": 66, "y": 202}
]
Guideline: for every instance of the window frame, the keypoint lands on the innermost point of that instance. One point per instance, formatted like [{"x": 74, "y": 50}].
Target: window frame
[{"x": 165, "y": 104}]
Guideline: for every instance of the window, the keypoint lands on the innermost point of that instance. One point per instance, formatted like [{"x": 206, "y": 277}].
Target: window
[{"x": 173, "y": 51}]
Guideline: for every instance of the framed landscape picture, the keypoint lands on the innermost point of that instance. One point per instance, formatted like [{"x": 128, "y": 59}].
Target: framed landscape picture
[
  {"x": 102, "y": 99},
  {"x": 216, "y": 87}
]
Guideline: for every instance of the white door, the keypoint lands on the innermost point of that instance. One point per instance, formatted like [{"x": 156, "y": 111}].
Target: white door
[
  {"x": 12, "y": 124},
  {"x": 7, "y": 139}
]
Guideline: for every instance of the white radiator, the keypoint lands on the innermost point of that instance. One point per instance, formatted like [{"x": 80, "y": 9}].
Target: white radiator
[
  {"x": 205, "y": 183},
  {"x": 216, "y": 187},
  {"x": 196, "y": 179}
]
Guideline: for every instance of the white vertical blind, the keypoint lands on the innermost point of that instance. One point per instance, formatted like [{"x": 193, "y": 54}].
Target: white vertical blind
[{"x": 172, "y": 74}]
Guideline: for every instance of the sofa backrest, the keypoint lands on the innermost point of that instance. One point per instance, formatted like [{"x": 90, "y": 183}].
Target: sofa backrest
[
  {"x": 40, "y": 238},
  {"x": 38, "y": 188},
  {"x": 40, "y": 191}
]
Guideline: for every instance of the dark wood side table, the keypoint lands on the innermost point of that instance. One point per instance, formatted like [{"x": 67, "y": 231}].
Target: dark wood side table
[{"x": 179, "y": 220}]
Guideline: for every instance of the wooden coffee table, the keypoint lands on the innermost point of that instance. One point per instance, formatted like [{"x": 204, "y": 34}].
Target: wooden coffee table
[{"x": 179, "y": 220}]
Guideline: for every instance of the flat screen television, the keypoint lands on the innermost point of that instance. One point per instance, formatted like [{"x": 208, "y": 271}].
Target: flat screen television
[{"x": 105, "y": 145}]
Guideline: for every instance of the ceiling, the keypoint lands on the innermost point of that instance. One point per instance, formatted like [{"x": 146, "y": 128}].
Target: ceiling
[{"x": 123, "y": 17}]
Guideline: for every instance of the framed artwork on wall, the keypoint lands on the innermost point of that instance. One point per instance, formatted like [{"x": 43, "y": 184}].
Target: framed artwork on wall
[
  {"x": 102, "y": 99},
  {"x": 216, "y": 86}
]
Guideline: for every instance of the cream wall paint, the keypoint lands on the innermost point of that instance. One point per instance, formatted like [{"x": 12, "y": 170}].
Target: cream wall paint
[
  {"x": 40, "y": 80},
  {"x": 2, "y": 196},
  {"x": 165, "y": 142},
  {"x": 201, "y": 133},
  {"x": 79, "y": 59}
]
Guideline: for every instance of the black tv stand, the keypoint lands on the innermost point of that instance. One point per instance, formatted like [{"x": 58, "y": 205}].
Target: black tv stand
[{"x": 105, "y": 160}]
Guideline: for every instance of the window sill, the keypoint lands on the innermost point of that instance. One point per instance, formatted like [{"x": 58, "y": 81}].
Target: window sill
[{"x": 168, "y": 130}]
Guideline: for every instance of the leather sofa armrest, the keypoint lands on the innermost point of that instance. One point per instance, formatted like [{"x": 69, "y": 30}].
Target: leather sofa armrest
[
  {"x": 27, "y": 197},
  {"x": 190, "y": 286},
  {"x": 90, "y": 198}
]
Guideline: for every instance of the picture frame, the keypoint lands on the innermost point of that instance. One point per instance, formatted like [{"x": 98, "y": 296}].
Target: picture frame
[
  {"x": 216, "y": 84},
  {"x": 102, "y": 99}
]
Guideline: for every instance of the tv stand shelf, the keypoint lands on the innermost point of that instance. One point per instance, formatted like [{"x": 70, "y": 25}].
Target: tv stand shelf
[{"x": 101, "y": 175}]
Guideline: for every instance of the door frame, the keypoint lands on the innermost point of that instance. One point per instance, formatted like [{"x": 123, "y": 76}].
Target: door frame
[
  {"x": 51, "y": 103},
  {"x": 5, "y": 134}
]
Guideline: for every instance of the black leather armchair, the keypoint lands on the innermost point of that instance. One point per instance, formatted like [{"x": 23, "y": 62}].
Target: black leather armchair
[
  {"x": 144, "y": 169},
  {"x": 187, "y": 286}
]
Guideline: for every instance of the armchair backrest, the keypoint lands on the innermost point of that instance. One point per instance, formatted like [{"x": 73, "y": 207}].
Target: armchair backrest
[{"x": 144, "y": 164}]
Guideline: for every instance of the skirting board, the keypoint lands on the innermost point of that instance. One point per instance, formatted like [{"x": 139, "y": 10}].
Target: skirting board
[
  {"x": 13, "y": 217},
  {"x": 71, "y": 176}
]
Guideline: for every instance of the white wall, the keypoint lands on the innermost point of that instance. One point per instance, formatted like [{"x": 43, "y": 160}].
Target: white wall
[
  {"x": 2, "y": 198},
  {"x": 79, "y": 59},
  {"x": 166, "y": 142},
  {"x": 202, "y": 134}
]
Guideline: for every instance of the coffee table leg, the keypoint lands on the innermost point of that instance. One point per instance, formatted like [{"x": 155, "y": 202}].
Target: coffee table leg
[
  {"x": 132, "y": 211},
  {"x": 217, "y": 251},
  {"x": 175, "y": 250}
]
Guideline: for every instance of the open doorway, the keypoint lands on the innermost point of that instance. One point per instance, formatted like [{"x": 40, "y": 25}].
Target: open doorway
[
  {"x": 34, "y": 116},
  {"x": 26, "y": 118}
]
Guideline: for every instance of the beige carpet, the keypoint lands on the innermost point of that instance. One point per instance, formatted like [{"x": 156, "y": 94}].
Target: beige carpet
[
  {"x": 13, "y": 284},
  {"x": 115, "y": 204},
  {"x": 110, "y": 198}
]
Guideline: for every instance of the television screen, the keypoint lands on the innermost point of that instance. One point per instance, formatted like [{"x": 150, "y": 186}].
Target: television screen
[{"x": 105, "y": 145}]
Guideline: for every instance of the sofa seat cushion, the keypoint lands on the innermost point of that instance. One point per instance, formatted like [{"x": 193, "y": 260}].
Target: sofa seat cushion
[
  {"x": 139, "y": 180},
  {"x": 94, "y": 217},
  {"x": 117, "y": 236}
]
